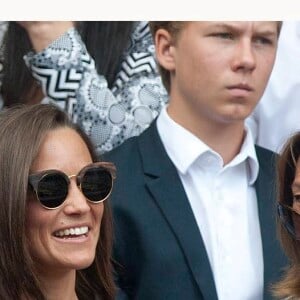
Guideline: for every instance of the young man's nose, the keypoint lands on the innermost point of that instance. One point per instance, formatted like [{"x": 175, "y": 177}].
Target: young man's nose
[{"x": 244, "y": 56}]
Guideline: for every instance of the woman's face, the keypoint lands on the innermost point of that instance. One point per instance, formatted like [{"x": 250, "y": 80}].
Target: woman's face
[
  {"x": 296, "y": 198},
  {"x": 296, "y": 188},
  {"x": 48, "y": 231}
]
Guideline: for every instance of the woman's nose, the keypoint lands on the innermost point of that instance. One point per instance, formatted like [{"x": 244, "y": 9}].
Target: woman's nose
[{"x": 76, "y": 202}]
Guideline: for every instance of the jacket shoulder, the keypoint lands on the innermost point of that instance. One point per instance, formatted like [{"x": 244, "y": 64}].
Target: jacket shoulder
[
  {"x": 265, "y": 156},
  {"x": 127, "y": 150}
]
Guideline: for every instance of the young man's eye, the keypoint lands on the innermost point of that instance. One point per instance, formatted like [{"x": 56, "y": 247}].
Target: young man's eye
[
  {"x": 263, "y": 41},
  {"x": 224, "y": 35},
  {"x": 297, "y": 198}
]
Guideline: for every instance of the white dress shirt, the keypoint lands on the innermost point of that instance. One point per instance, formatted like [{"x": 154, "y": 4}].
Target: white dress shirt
[{"x": 223, "y": 200}]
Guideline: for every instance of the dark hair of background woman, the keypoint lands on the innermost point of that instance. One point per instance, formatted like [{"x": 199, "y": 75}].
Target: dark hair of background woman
[
  {"x": 289, "y": 285},
  {"x": 105, "y": 41},
  {"x": 22, "y": 131}
]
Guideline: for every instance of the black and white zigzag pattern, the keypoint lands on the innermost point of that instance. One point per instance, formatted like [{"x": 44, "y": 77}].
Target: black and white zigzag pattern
[
  {"x": 58, "y": 85},
  {"x": 142, "y": 30},
  {"x": 60, "y": 68},
  {"x": 136, "y": 63},
  {"x": 68, "y": 76},
  {"x": 140, "y": 59}
]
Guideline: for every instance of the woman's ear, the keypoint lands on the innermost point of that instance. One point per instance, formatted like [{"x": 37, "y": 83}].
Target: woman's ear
[{"x": 164, "y": 46}]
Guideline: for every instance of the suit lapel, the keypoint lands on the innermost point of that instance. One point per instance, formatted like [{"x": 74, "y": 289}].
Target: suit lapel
[
  {"x": 274, "y": 259},
  {"x": 168, "y": 193}
]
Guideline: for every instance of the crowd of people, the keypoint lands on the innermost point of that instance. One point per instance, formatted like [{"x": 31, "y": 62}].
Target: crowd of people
[{"x": 149, "y": 160}]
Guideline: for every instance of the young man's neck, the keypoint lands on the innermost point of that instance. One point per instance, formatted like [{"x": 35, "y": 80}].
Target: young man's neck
[{"x": 224, "y": 138}]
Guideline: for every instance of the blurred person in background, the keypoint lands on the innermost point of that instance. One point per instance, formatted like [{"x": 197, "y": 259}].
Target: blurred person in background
[{"x": 102, "y": 73}]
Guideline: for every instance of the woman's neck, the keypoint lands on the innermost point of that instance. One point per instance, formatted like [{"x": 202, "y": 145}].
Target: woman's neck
[{"x": 59, "y": 285}]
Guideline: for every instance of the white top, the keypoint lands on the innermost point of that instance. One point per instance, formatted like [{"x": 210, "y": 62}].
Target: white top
[
  {"x": 224, "y": 204},
  {"x": 277, "y": 116}
]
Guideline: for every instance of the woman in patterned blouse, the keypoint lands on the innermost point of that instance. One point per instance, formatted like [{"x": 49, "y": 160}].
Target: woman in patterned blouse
[{"x": 119, "y": 103}]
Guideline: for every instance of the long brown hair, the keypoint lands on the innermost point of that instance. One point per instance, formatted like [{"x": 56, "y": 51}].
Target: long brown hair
[
  {"x": 22, "y": 130},
  {"x": 290, "y": 283}
]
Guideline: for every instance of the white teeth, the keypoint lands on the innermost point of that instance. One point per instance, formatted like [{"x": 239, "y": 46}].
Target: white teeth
[{"x": 72, "y": 231}]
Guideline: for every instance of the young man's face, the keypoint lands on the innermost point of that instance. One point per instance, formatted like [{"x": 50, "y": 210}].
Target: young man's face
[{"x": 219, "y": 70}]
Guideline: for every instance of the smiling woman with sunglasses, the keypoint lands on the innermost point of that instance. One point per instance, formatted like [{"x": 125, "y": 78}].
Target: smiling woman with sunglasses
[
  {"x": 55, "y": 228},
  {"x": 288, "y": 209}
]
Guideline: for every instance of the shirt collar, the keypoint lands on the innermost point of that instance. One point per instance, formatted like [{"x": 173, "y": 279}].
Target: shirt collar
[
  {"x": 184, "y": 148},
  {"x": 248, "y": 154}
]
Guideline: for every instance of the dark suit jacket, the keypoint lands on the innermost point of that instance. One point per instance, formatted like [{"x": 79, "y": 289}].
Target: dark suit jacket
[{"x": 157, "y": 241}]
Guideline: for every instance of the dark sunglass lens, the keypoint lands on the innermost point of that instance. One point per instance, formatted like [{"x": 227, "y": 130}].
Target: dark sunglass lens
[
  {"x": 96, "y": 184},
  {"x": 52, "y": 190}
]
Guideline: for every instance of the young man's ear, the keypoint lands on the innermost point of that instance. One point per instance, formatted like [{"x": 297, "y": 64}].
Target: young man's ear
[{"x": 164, "y": 47}]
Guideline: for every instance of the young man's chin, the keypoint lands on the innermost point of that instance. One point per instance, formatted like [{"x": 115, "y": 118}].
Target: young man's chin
[{"x": 235, "y": 115}]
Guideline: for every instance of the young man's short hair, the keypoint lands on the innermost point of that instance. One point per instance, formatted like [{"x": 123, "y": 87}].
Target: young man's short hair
[{"x": 173, "y": 27}]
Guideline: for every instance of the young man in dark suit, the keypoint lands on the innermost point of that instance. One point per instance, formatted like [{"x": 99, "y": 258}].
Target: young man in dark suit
[{"x": 194, "y": 199}]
